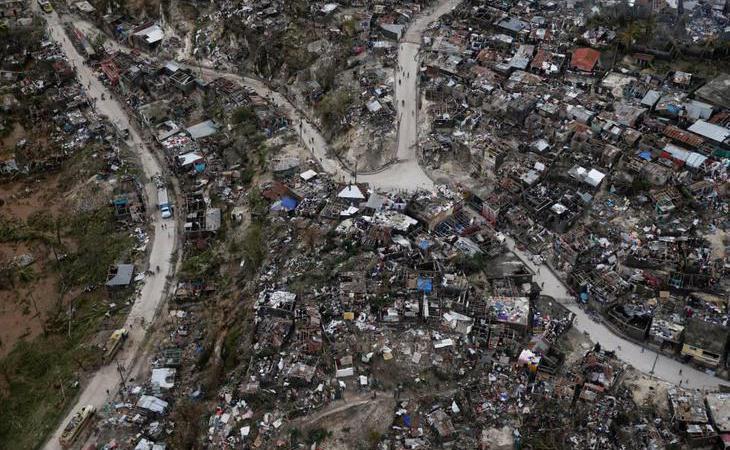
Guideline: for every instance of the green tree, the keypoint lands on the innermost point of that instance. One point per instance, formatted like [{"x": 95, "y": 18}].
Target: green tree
[
  {"x": 253, "y": 246},
  {"x": 628, "y": 36},
  {"x": 333, "y": 107}
]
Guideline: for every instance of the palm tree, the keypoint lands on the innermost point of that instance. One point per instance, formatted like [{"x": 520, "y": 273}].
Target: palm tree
[
  {"x": 709, "y": 47},
  {"x": 628, "y": 36},
  {"x": 674, "y": 47},
  {"x": 649, "y": 27}
]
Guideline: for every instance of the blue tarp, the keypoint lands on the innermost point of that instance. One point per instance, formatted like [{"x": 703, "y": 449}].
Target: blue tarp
[
  {"x": 424, "y": 284},
  {"x": 407, "y": 420},
  {"x": 199, "y": 167},
  {"x": 645, "y": 155},
  {"x": 288, "y": 203}
]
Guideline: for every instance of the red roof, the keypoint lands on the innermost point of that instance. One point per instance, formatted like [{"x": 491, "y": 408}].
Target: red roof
[
  {"x": 585, "y": 59},
  {"x": 111, "y": 70},
  {"x": 541, "y": 57},
  {"x": 682, "y": 136}
]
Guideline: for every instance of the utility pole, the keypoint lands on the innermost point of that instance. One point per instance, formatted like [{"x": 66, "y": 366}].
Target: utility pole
[
  {"x": 651, "y": 372},
  {"x": 122, "y": 376}
]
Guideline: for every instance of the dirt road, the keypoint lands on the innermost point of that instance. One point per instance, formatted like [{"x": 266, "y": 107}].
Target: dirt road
[
  {"x": 355, "y": 419},
  {"x": 406, "y": 174},
  {"x": 162, "y": 247},
  {"x": 667, "y": 369}
]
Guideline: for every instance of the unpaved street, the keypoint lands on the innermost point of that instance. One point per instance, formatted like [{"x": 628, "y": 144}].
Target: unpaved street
[
  {"x": 162, "y": 246},
  {"x": 406, "y": 174},
  {"x": 666, "y": 369}
]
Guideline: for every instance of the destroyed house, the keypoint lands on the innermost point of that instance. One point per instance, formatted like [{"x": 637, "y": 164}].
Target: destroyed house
[
  {"x": 112, "y": 71},
  {"x": 192, "y": 290},
  {"x": 513, "y": 311},
  {"x": 308, "y": 335},
  {"x": 716, "y": 91},
  {"x": 155, "y": 113},
  {"x": 493, "y": 206},
  {"x": 584, "y": 59},
  {"x": 132, "y": 77},
  {"x": 630, "y": 319},
  {"x": 615, "y": 84},
  {"x": 600, "y": 287},
  {"x": 442, "y": 424},
  {"x": 512, "y": 26},
  {"x": 547, "y": 63},
  {"x": 148, "y": 37},
  {"x": 171, "y": 357},
  {"x": 120, "y": 276},
  {"x": 687, "y": 406},
  {"x": 522, "y": 57},
  {"x": 274, "y": 319},
  {"x": 501, "y": 322},
  {"x": 718, "y": 405},
  {"x": 301, "y": 373},
  {"x": 666, "y": 332},
  {"x": 689, "y": 415},
  {"x": 571, "y": 245},
  {"x": 704, "y": 343},
  {"x": 599, "y": 375},
  {"x": 277, "y": 190},
  {"x": 555, "y": 207},
  {"x": 432, "y": 211},
  {"x": 11, "y": 8},
  {"x": 276, "y": 302},
  {"x": 183, "y": 80},
  {"x": 203, "y": 221}
]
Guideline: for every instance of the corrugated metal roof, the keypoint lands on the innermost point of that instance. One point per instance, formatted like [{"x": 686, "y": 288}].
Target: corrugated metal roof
[
  {"x": 585, "y": 59},
  {"x": 692, "y": 159},
  {"x": 682, "y": 136},
  {"x": 202, "y": 129},
  {"x": 651, "y": 98},
  {"x": 710, "y": 131}
]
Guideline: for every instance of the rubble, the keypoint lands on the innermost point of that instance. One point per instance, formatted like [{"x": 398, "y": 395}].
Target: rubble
[{"x": 300, "y": 294}]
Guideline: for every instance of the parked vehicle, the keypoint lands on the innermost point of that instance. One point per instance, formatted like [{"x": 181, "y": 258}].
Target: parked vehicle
[
  {"x": 45, "y": 6},
  {"x": 115, "y": 343},
  {"x": 79, "y": 422},
  {"x": 122, "y": 130},
  {"x": 163, "y": 203}
]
